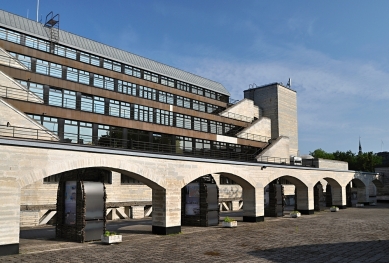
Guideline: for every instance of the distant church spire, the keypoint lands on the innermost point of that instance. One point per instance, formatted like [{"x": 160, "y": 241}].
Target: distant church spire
[{"x": 360, "y": 146}]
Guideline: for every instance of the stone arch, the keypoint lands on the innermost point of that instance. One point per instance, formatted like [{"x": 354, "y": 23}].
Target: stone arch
[
  {"x": 362, "y": 191},
  {"x": 145, "y": 174},
  {"x": 335, "y": 193},
  {"x": 304, "y": 202}
]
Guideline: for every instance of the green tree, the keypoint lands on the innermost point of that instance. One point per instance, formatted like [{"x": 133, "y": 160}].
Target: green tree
[{"x": 365, "y": 162}]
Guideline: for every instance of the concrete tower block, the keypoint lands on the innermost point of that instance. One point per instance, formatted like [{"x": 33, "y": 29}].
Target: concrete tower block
[{"x": 278, "y": 103}]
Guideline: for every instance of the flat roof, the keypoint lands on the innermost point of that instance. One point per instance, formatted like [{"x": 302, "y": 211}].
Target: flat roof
[{"x": 33, "y": 28}]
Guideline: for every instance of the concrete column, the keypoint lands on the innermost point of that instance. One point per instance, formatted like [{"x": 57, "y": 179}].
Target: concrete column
[
  {"x": 234, "y": 205},
  {"x": 137, "y": 211},
  {"x": 339, "y": 197},
  {"x": 363, "y": 195},
  {"x": 166, "y": 211},
  {"x": 253, "y": 204},
  {"x": 305, "y": 200},
  {"x": 9, "y": 216}
]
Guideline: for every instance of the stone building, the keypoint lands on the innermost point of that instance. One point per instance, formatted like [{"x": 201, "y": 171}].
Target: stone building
[{"x": 70, "y": 89}]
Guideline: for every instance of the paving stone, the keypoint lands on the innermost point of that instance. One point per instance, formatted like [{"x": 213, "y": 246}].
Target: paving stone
[{"x": 350, "y": 235}]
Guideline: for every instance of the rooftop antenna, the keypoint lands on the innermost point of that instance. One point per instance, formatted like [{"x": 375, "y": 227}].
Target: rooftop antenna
[
  {"x": 37, "y": 10},
  {"x": 289, "y": 85},
  {"x": 252, "y": 86},
  {"x": 382, "y": 143}
]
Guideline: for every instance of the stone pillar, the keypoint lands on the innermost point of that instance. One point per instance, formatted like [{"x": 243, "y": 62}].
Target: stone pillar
[
  {"x": 305, "y": 200},
  {"x": 234, "y": 205},
  {"x": 339, "y": 197},
  {"x": 253, "y": 204},
  {"x": 9, "y": 216},
  {"x": 363, "y": 195},
  {"x": 166, "y": 211},
  {"x": 137, "y": 211}
]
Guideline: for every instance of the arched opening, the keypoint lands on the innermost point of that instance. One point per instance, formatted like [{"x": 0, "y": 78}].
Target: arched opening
[
  {"x": 359, "y": 196},
  {"x": 129, "y": 195},
  {"x": 333, "y": 193},
  {"x": 287, "y": 194}
]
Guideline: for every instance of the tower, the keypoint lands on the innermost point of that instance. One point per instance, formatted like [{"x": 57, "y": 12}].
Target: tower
[{"x": 279, "y": 103}]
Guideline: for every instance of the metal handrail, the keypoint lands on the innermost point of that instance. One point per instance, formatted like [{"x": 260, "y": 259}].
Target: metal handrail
[
  {"x": 253, "y": 137},
  {"x": 105, "y": 141},
  {"x": 236, "y": 116},
  {"x": 7, "y": 60},
  {"x": 269, "y": 159}
]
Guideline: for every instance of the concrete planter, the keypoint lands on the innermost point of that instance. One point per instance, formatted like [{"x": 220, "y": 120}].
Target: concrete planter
[
  {"x": 111, "y": 239},
  {"x": 295, "y": 214},
  {"x": 334, "y": 209},
  {"x": 230, "y": 224}
]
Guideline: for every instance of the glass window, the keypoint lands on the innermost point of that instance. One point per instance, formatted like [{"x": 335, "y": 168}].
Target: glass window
[
  {"x": 37, "y": 44},
  {"x": 109, "y": 83},
  {"x": 71, "y": 131},
  {"x": 98, "y": 81},
  {"x": 164, "y": 117},
  {"x": 187, "y": 103},
  {"x": 196, "y": 124},
  {"x": 69, "y": 99},
  {"x": 85, "y": 136},
  {"x": 116, "y": 66},
  {"x": 127, "y": 87},
  {"x": 84, "y": 57},
  {"x": 196, "y": 105},
  {"x": 55, "y": 70},
  {"x": 179, "y": 120},
  {"x": 36, "y": 88},
  {"x": 98, "y": 105},
  {"x": 114, "y": 108},
  {"x": 25, "y": 60},
  {"x": 72, "y": 74},
  {"x": 86, "y": 103},
  {"x": 83, "y": 77},
  {"x": 51, "y": 124},
  {"x": 147, "y": 93},
  {"x": 162, "y": 96},
  {"x": 204, "y": 125},
  {"x": 42, "y": 67},
  {"x": 107, "y": 64},
  {"x": 147, "y": 75},
  {"x": 180, "y": 101},
  {"x": 182, "y": 86},
  {"x": 143, "y": 113},
  {"x": 125, "y": 110},
  {"x": 187, "y": 122},
  {"x": 55, "y": 97},
  {"x": 202, "y": 106},
  {"x": 164, "y": 80}
]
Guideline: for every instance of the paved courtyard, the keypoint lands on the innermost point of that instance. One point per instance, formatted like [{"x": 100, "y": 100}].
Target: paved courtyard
[{"x": 350, "y": 235}]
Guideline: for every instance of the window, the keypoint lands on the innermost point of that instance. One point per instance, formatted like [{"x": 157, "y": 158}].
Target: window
[
  {"x": 109, "y": 83},
  {"x": 131, "y": 71},
  {"x": 98, "y": 81},
  {"x": 127, "y": 87},
  {"x": 165, "y": 97},
  {"x": 180, "y": 101},
  {"x": 187, "y": 103},
  {"x": 125, "y": 110},
  {"x": 90, "y": 59},
  {"x": 183, "y": 86},
  {"x": 42, "y": 67},
  {"x": 196, "y": 124},
  {"x": 86, "y": 103},
  {"x": 50, "y": 123},
  {"x": 98, "y": 105},
  {"x": 83, "y": 77},
  {"x": 147, "y": 93},
  {"x": 36, "y": 88},
  {"x": 114, "y": 108},
  {"x": 72, "y": 74},
  {"x": 37, "y": 44},
  {"x": 65, "y": 52},
  {"x": 25, "y": 60},
  {"x": 150, "y": 76},
  {"x": 55, "y": 97},
  {"x": 187, "y": 122},
  {"x": 85, "y": 136},
  {"x": 9, "y": 35},
  {"x": 164, "y": 117},
  {"x": 69, "y": 99},
  {"x": 55, "y": 70},
  {"x": 71, "y": 131},
  {"x": 143, "y": 113}
]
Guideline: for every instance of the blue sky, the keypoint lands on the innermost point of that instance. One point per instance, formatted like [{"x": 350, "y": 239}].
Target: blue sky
[{"x": 336, "y": 52}]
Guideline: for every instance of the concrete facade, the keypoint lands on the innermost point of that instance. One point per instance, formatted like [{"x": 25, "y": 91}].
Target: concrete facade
[
  {"x": 164, "y": 175},
  {"x": 278, "y": 103}
]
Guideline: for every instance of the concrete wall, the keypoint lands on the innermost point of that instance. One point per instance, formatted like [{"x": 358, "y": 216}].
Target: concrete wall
[
  {"x": 383, "y": 192},
  {"x": 16, "y": 118},
  {"x": 277, "y": 149},
  {"x": 280, "y": 105},
  {"x": 244, "y": 110},
  {"x": 330, "y": 164},
  {"x": 261, "y": 127}
]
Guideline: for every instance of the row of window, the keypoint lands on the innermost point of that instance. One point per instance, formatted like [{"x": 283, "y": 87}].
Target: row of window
[
  {"x": 72, "y": 131},
  {"x": 90, "y": 103},
  {"x": 74, "y": 54},
  {"x": 99, "y": 81}
]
